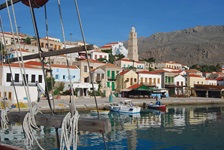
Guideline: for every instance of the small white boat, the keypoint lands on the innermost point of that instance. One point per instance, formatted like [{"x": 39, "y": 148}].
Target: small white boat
[
  {"x": 125, "y": 106},
  {"x": 101, "y": 112}
]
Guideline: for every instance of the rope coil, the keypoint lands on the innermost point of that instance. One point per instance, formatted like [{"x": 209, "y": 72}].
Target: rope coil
[
  {"x": 69, "y": 131},
  {"x": 29, "y": 125}
]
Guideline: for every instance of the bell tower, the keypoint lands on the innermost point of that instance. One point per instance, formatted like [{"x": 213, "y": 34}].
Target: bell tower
[{"x": 133, "y": 45}]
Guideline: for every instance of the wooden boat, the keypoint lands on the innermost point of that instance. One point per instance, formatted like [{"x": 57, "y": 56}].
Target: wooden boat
[
  {"x": 101, "y": 112},
  {"x": 157, "y": 107},
  {"x": 125, "y": 106}
]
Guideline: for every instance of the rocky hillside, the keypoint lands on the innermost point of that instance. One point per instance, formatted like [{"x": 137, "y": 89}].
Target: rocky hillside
[{"x": 199, "y": 45}]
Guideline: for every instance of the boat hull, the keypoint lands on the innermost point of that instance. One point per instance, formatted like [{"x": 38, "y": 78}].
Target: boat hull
[{"x": 157, "y": 107}]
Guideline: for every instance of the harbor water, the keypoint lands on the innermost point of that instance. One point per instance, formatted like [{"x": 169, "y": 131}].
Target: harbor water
[{"x": 179, "y": 128}]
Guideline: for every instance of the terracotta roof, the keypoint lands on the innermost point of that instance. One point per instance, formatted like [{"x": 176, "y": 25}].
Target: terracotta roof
[
  {"x": 134, "y": 86},
  {"x": 194, "y": 75},
  {"x": 63, "y": 66},
  {"x": 146, "y": 72},
  {"x": 91, "y": 61},
  {"x": 124, "y": 72},
  {"x": 220, "y": 79},
  {"x": 109, "y": 65},
  {"x": 157, "y": 71},
  {"x": 25, "y": 65},
  {"x": 33, "y": 63}
]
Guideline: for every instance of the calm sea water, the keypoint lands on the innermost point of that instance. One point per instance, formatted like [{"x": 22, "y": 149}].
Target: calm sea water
[{"x": 179, "y": 128}]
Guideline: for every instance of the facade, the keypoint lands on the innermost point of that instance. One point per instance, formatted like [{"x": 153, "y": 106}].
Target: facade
[
  {"x": 126, "y": 63},
  {"x": 54, "y": 44},
  {"x": 149, "y": 79},
  {"x": 60, "y": 73},
  {"x": 125, "y": 79},
  {"x": 133, "y": 45},
  {"x": 193, "y": 79},
  {"x": 11, "y": 39},
  {"x": 210, "y": 81},
  {"x": 97, "y": 54},
  {"x": 179, "y": 82},
  {"x": 220, "y": 81},
  {"x": 170, "y": 65},
  {"x": 119, "y": 49},
  {"x": 33, "y": 74},
  {"x": 106, "y": 76},
  {"x": 84, "y": 69}
]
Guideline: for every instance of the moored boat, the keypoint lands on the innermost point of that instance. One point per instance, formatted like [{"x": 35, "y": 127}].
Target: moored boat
[
  {"x": 157, "y": 107},
  {"x": 125, "y": 106}
]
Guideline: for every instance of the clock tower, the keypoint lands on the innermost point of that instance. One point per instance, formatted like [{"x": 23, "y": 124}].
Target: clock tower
[{"x": 133, "y": 45}]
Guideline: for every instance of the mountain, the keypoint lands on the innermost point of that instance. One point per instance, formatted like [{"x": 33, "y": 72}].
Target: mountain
[{"x": 198, "y": 45}]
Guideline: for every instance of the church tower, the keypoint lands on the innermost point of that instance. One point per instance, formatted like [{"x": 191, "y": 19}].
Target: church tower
[{"x": 133, "y": 45}]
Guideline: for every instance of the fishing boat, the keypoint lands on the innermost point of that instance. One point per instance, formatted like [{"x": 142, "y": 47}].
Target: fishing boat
[
  {"x": 101, "y": 112},
  {"x": 125, "y": 106}
]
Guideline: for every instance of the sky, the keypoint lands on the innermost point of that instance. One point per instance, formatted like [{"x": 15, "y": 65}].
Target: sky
[{"x": 106, "y": 21}]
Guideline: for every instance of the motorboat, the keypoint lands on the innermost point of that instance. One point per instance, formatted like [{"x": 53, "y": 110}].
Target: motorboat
[{"x": 125, "y": 106}]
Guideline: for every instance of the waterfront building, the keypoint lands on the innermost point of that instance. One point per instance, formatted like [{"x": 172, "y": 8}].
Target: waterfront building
[
  {"x": 125, "y": 79},
  {"x": 193, "y": 79},
  {"x": 179, "y": 84},
  {"x": 106, "y": 76},
  {"x": 149, "y": 79},
  {"x": 220, "y": 81},
  {"x": 33, "y": 75},
  {"x": 133, "y": 45},
  {"x": 210, "y": 81}
]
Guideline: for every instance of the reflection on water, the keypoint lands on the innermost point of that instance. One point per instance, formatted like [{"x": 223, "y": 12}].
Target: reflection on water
[{"x": 177, "y": 128}]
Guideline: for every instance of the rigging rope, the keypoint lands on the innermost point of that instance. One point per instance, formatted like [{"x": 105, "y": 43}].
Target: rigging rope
[
  {"x": 29, "y": 122},
  {"x": 90, "y": 74},
  {"x": 10, "y": 69},
  {"x": 70, "y": 122},
  {"x": 40, "y": 51}
]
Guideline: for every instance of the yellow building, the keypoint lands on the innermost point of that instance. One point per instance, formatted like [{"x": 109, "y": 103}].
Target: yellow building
[
  {"x": 125, "y": 79},
  {"x": 193, "y": 79}
]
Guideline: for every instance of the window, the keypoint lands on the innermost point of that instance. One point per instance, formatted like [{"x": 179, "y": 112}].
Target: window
[
  {"x": 16, "y": 77},
  {"x": 154, "y": 80},
  {"x": 25, "y": 79},
  {"x": 146, "y": 80},
  {"x": 33, "y": 78},
  {"x": 108, "y": 73},
  {"x": 95, "y": 56},
  {"x": 158, "y": 80},
  {"x": 40, "y": 78},
  {"x": 135, "y": 80},
  {"x": 56, "y": 76},
  {"x": 108, "y": 84},
  {"x": 63, "y": 77},
  {"x": 141, "y": 79},
  {"x": 8, "y": 77},
  {"x": 102, "y": 76},
  {"x": 85, "y": 68}
]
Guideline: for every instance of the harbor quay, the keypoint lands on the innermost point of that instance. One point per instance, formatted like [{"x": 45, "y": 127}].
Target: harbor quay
[{"x": 88, "y": 103}]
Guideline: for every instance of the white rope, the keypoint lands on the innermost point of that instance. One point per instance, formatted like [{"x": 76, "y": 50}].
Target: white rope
[
  {"x": 29, "y": 126},
  {"x": 4, "y": 119},
  {"x": 69, "y": 131}
]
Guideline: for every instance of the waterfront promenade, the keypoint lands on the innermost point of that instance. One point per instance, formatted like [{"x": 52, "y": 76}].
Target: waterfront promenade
[{"x": 88, "y": 103}]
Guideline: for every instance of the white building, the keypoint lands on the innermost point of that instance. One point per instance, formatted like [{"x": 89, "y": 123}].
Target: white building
[
  {"x": 119, "y": 49},
  {"x": 151, "y": 79},
  {"x": 33, "y": 74},
  {"x": 179, "y": 82}
]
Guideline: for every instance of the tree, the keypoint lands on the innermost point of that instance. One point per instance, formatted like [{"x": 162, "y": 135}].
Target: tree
[
  {"x": 150, "y": 60},
  {"x": 27, "y": 40},
  {"x": 119, "y": 56},
  {"x": 50, "y": 83},
  {"x": 102, "y": 60}
]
